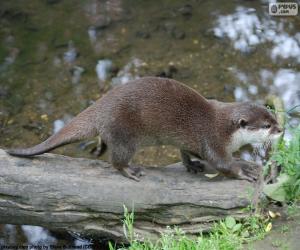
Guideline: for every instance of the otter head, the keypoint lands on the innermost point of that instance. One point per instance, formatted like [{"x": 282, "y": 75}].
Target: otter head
[{"x": 253, "y": 124}]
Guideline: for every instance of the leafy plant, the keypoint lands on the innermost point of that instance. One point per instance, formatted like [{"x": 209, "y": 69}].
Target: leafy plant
[
  {"x": 287, "y": 155},
  {"x": 227, "y": 234},
  {"x": 128, "y": 224}
]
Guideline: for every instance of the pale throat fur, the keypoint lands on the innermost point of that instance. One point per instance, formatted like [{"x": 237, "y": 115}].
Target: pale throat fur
[{"x": 255, "y": 130}]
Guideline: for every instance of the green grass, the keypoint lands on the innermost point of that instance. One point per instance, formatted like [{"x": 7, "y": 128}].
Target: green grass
[{"x": 228, "y": 234}]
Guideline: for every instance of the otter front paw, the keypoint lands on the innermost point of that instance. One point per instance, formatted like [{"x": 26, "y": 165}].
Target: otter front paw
[
  {"x": 249, "y": 172},
  {"x": 194, "y": 167},
  {"x": 242, "y": 170}
]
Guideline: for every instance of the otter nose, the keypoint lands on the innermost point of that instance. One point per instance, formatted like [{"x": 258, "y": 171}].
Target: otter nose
[{"x": 279, "y": 130}]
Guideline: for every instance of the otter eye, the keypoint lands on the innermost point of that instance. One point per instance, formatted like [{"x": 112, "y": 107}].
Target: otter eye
[
  {"x": 266, "y": 126},
  {"x": 243, "y": 123}
]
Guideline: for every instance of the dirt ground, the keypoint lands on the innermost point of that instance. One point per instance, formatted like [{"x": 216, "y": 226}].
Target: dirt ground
[{"x": 285, "y": 234}]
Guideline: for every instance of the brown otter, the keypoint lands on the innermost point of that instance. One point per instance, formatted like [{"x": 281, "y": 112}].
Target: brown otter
[{"x": 154, "y": 111}]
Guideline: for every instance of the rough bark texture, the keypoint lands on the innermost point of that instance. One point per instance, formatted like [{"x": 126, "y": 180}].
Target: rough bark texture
[{"x": 87, "y": 196}]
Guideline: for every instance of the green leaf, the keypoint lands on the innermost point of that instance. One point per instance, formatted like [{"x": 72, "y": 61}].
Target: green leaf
[
  {"x": 276, "y": 190},
  {"x": 230, "y": 222},
  {"x": 245, "y": 234},
  {"x": 237, "y": 227}
]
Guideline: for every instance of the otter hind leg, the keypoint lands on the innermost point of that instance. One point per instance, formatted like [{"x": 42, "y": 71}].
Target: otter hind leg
[
  {"x": 95, "y": 147},
  {"x": 191, "y": 166},
  {"x": 120, "y": 157},
  {"x": 100, "y": 149}
]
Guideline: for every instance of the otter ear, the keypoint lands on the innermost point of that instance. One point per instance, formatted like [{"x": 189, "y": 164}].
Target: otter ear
[{"x": 242, "y": 122}]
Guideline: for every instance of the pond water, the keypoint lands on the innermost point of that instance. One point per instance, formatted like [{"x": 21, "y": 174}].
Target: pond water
[{"x": 59, "y": 56}]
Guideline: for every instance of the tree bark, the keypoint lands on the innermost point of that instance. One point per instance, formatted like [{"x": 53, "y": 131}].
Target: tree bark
[{"x": 87, "y": 196}]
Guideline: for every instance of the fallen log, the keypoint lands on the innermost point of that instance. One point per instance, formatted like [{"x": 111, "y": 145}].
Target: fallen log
[{"x": 87, "y": 196}]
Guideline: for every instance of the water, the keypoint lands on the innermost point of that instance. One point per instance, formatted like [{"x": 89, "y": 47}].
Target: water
[{"x": 50, "y": 51}]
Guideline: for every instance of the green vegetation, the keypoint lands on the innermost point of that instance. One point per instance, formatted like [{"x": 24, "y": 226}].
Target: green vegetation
[
  {"x": 287, "y": 156},
  {"x": 227, "y": 234}
]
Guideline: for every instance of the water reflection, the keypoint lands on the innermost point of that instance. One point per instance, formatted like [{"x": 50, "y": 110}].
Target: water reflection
[
  {"x": 101, "y": 14},
  {"x": 286, "y": 83},
  {"x": 9, "y": 59},
  {"x": 129, "y": 72},
  {"x": 286, "y": 46},
  {"x": 103, "y": 69},
  {"x": 71, "y": 54},
  {"x": 33, "y": 235},
  {"x": 246, "y": 91},
  {"x": 38, "y": 236},
  {"x": 243, "y": 28},
  {"x": 76, "y": 72},
  {"x": 58, "y": 125},
  {"x": 246, "y": 30}
]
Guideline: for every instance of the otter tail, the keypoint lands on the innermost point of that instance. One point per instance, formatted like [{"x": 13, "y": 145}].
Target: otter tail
[{"x": 80, "y": 127}]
